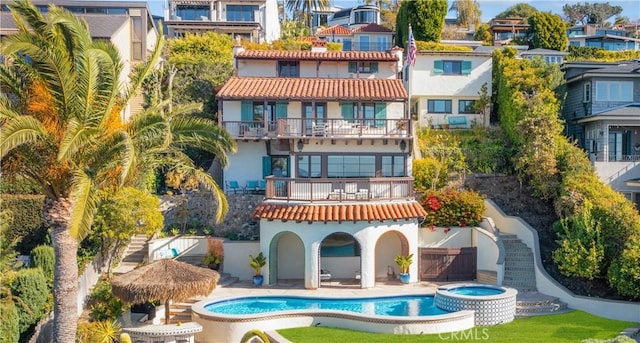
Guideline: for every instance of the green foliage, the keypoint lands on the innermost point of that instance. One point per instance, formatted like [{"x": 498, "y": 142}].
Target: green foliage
[
  {"x": 483, "y": 33},
  {"x": 43, "y": 257},
  {"x": 9, "y": 325},
  {"x": 293, "y": 29},
  {"x": 442, "y": 155},
  {"x": 452, "y": 208},
  {"x": 125, "y": 338},
  {"x": 106, "y": 331},
  {"x": 486, "y": 151},
  {"x": 521, "y": 10},
  {"x": 404, "y": 262},
  {"x": 583, "y": 53},
  {"x": 26, "y": 226},
  {"x": 624, "y": 273},
  {"x": 548, "y": 31},
  {"x": 435, "y": 46},
  {"x": 18, "y": 185},
  {"x": 253, "y": 333},
  {"x": 332, "y": 46},
  {"x": 402, "y": 25},
  {"x": 104, "y": 306},
  {"x": 426, "y": 174},
  {"x": 426, "y": 18},
  {"x": 257, "y": 263},
  {"x": 596, "y": 13},
  {"x": 581, "y": 248},
  {"x": 288, "y": 44},
  {"x": 30, "y": 285}
]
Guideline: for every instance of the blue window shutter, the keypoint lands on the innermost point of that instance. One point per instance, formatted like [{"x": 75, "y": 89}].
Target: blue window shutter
[
  {"x": 374, "y": 67},
  {"x": 246, "y": 111},
  {"x": 438, "y": 67},
  {"x": 347, "y": 110},
  {"x": 352, "y": 67},
  {"x": 266, "y": 166},
  {"x": 380, "y": 113},
  {"x": 466, "y": 67},
  {"x": 281, "y": 110}
]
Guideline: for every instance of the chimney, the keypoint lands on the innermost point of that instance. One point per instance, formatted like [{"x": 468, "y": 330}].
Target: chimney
[
  {"x": 237, "y": 49},
  {"x": 318, "y": 45},
  {"x": 398, "y": 51}
]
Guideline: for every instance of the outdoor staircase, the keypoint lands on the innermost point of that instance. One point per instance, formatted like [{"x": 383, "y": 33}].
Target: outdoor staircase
[
  {"x": 519, "y": 273},
  {"x": 137, "y": 252}
]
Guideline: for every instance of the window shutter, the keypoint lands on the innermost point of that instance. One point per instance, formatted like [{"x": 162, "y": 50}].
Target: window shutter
[
  {"x": 281, "y": 110},
  {"x": 374, "y": 67},
  {"x": 352, "y": 67},
  {"x": 438, "y": 67},
  {"x": 246, "y": 111},
  {"x": 347, "y": 110},
  {"x": 466, "y": 67},
  {"x": 380, "y": 113},
  {"x": 266, "y": 166}
]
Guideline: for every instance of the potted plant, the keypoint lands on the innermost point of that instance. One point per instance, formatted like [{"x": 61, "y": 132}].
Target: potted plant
[
  {"x": 215, "y": 253},
  {"x": 401, "y": 127},
  {"x": 404, "y": 262},
  {"x": 257, "y": 263}
]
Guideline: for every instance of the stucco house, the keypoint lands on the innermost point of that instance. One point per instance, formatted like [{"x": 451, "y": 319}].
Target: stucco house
[
  {"x": 611, "y": 39},
  {"x": 444, "y": 85},
  {"x": 370, "y": 37},
  {"x": 602, "y": 113}
]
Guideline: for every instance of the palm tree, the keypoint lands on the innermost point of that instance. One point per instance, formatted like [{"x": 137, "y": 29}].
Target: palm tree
[
  {"x": 304, "y": 8},
  {"x": 62, "y": 128}
]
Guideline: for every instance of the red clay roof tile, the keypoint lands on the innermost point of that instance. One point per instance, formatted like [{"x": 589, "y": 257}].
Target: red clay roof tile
[
  {"x": 339, "y": 212},
  {"x": 373, "y": 27},
  {"x": 312, "y": 88},
  {"x": 335, "y": 29},
  {"x": 308, "y": 55}
]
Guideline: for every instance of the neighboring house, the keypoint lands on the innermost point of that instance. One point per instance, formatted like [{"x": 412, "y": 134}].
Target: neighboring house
[
  {"x": 549, "y": 56},
  {"x": 370, "y": 37},
  {"x": 602, "y": 114},
  {"x": 444, "y": 85},
  {"x": 601, "y": 38},
  {"x": 354, "y": 17},
  {"x": 127, "y": 24},
  {"x": 320, "y": 17},
  {"x": 255, "y": 20},
  {"x": 504, "y": 30},
  {"x": 328, "y": 134}
]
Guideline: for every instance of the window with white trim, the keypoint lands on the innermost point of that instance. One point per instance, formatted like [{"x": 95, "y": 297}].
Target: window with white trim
[{"x": 614, "y": 90}]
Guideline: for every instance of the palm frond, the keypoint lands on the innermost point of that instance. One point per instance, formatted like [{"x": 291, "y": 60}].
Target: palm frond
[
  {"x": 7, "y": 109},
  {"x": 210, "y": 184},
  {"x": 85, "y": 203},
  {"x": 135, "y": 82},
  {"x": 26, "y": 16},
  {"x": 203, "y": 134},
  {"x": 75, "y": 137},
  {"x": 20, "y": 130}
]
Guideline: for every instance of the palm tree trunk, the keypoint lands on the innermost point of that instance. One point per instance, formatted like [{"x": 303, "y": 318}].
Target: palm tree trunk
[{"x": 57, "y": 215}]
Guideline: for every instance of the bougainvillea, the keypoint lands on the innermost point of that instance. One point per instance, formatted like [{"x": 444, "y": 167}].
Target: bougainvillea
[{"x": 452, "y": 208}]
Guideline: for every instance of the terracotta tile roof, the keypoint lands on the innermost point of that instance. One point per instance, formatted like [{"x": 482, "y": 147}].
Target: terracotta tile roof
[
  {"x": 373, "y": 28},
  {"x": 312, "y": 88},
  {"x": 306, "y": 55},
  {"x": 335, "y": 29},
  {"x": 339, "y": 212}
]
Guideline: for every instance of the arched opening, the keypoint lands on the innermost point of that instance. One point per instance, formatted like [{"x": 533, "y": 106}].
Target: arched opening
[
  {"x": 340, "y": 259},
  {"x": 388, "y": 246},
  {"x": 287, "y": 258}
]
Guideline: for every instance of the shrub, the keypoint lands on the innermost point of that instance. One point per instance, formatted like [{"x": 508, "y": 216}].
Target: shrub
[
  {"x": 26, "y": 227},
  {"x": 9, "y": 325},
  {"x": 98, "y": 332},
  {"x": 425, "y": 175},
  {"x": 18, "y": 185},
  {"x": 252, "y": 333},
  {"x": 624, "y": 273},
  {"x": 43, "y": 257},
  {"x": 30, "y": 285},
  {"x": 435, "y": 46},
  {"x": 104, "y": 306},
  {"x": 453, "y": 208}
]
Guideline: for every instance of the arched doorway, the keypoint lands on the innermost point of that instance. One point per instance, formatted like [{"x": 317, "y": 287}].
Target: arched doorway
[
  {"x": 340, "y": 257},
  {"x": 287, "y": 258},
  {"x": 389, "y": 245}
]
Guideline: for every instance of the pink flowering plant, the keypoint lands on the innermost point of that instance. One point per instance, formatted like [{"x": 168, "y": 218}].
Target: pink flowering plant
[{"x": 452, "y": 208}]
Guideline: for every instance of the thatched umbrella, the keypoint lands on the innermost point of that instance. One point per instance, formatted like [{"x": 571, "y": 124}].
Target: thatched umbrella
[{"x": 164, "y": 280}]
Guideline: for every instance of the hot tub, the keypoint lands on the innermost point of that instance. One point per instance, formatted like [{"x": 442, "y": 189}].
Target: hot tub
[{"x": 492, "y": 304}]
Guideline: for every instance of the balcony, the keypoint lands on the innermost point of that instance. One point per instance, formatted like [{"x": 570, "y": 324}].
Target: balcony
[
  {"x": 319, "y": 128},
  {"x": 339, "y": 190}
]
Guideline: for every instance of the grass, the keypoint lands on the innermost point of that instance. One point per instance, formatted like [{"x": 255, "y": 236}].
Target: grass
[{"x": 566, "y": 327}]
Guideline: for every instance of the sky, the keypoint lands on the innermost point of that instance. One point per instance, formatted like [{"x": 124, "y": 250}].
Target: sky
[{"x": 489, "y": 7}]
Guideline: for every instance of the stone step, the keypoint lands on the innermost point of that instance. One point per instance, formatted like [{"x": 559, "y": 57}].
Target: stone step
[
  {"x": 518, "y": 267},
  {"x": 507, "y": 235},
  {"x": 227, "y": 281}
]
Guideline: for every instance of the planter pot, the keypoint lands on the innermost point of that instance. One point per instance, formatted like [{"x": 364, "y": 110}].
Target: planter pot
[
  {"x": 404, "y": 278},
  {"x": 258, "y": 280},
  {"x": 215, "y": 266}
]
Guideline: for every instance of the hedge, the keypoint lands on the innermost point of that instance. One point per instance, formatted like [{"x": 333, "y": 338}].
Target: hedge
[
  {"x": 43, "y": 257},
  {"x": 452, "y": 208},
  {"x": 9, "y": 329},
  {"x": 26, "y": 225},
  {"x": 30, "y": 285}
]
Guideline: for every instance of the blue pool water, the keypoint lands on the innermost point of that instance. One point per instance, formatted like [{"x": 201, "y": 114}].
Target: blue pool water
[
  {"x": 476, "y": 291},
  {"x": 383, "y": 306}
]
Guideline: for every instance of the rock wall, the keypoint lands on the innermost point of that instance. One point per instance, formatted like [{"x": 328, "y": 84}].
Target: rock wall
[{"x": 197, "y": 209}]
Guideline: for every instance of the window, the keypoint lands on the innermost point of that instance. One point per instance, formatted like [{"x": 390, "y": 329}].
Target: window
[
  {"x": 363, "y": 67},
  {"x": 309, "y": 166},
  {"x": 439, "y": 106},
  {"x": 288, "y": 68},
  {"x": 393, "y": 166},
  {"x": 260, "y": 109},
  {"x": 466, "y": 106},
  {"x": 614, "y": 91},
  {"x": 192, "y": 12},
  {"x": 136, "y": 38},
  {"x": 339, "y": 166},
  {"x": 277, "y": 166},
  {"x": 452, "y": 67},
  {"x": 365, "y": 17},
  {"x": 241, "y": 12},
  {"x": 586, "y": 93}
]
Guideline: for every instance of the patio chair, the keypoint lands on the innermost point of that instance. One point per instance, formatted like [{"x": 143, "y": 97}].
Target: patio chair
[
  {"x": 233, "y": 185},
  {"x": 262, "y": 185},
  {"x": 252, "y": 186},
  {"x": 319, "y": 129},
  {"x": 325, "y": 275}
]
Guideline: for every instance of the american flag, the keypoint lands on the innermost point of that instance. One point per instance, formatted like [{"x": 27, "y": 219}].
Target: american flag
[{"x": 411, "y": 51}]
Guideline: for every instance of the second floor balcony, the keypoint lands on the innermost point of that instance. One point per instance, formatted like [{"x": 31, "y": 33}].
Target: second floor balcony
[{"x": 319, "y": 128}]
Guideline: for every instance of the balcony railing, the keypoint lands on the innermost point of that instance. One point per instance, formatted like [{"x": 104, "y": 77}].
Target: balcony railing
[
  {"x": 327, "y": 128},
  {"x": 339, "y": 190}
]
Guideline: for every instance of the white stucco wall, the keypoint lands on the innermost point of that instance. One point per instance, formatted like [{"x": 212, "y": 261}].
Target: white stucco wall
[
  {"x": 326, "y": 69},
  {"x": 246, "y": 164},
  {"x": 272, "y": 21},
  {"x": 236, "y": 258},
  {"x": 291, "y": 257},
  {"x": 487, "y": 258},
  {"x": 388, "y": 246},
  {"x": 458, "y": 237}
]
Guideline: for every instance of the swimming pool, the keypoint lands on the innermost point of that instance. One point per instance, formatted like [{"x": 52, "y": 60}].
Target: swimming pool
[
  {"x": 416, "y": 305},
  {"x": 476, "y": 291}
]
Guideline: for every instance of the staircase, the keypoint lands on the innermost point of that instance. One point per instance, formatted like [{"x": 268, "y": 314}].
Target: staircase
[
  {"x": 137, "y": 252},
  {"x": 519, "y": 273}
]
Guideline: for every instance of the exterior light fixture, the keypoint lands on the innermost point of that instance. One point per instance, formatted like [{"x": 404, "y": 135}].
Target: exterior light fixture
[
  {"x": 300, "y": 144},
  {"x": 403, "y": 145}
]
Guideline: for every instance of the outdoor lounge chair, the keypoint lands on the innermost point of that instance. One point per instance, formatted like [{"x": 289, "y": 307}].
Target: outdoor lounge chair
[
  {"x": 233, "y": 185},
  {"x": 252, "y": 186},
  {"x": 325, "y": 275}
]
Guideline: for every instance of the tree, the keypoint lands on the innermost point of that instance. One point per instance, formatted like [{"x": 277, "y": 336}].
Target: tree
[
  {"x": 483, "y": 103},
  {"x": 547, "y": 31},
  {"x": 587, "y": 13},
  {"x": 522, "y": 10},
  {"x": 426, "y": 18},
  {"x": 468, "y": 12},
  {"x": 62, "y": 128},
  {"x": 302, "y": 8},
  {"x": 483, "y": 33}
]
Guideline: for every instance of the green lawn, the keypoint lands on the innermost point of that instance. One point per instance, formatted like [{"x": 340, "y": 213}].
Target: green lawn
[{"x": 567, "y": 327}]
